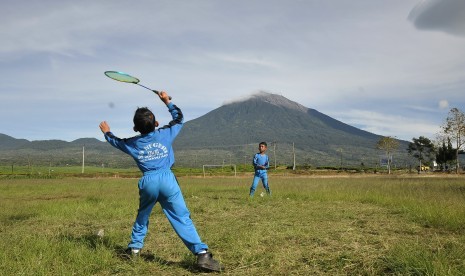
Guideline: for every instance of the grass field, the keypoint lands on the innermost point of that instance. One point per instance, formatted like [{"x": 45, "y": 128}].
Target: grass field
[{"x": 370, "y": 225}]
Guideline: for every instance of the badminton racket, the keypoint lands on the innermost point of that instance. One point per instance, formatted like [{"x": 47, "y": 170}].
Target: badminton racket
[{"x": 123, "y": 77}]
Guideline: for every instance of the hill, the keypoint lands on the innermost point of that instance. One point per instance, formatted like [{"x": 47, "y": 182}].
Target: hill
[{"x": 59, "y": 153}]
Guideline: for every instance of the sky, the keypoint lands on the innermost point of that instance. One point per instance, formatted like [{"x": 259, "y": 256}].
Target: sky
[{"x": 391, "y": 67}]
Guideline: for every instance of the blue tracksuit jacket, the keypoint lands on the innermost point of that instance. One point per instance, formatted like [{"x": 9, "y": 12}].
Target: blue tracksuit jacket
[{"x": 260, "y": 160}]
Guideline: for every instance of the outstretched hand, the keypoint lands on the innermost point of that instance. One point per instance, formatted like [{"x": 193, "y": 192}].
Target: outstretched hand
[
  {"x": 164, "y": 97},
  {"x": 104, "y": 127}
]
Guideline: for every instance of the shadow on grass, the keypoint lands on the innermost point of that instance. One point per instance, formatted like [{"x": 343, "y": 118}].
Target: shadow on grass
[
  {"x": 17, "y": 218},
  {"x": 148, "y": 256},
  {"x": 93, "y": 242}
]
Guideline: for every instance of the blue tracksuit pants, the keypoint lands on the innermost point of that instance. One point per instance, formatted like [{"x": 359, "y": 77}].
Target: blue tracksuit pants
[
  {"x": 163, "y": 187},
  {"x": 260, "y": 175}
]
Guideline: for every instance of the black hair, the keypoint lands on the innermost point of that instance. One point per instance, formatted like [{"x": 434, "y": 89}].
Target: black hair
[
  {"x": 144, "y": 120},
  {"x": 263, "y": 143}
]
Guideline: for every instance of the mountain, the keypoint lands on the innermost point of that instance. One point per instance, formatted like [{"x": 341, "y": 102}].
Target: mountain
[
  {"x": 230, "y": 135},
  {"x": 316, "y": 138},
  {"x": 269, "y": 117}
]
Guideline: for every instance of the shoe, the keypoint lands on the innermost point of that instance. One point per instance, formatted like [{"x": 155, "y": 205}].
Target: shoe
[
  {"x": 206, "y": 262},
  {"x": 132, "y": 252}
]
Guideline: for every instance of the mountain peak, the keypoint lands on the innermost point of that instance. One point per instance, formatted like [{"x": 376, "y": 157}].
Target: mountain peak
[{"x": 274, "y": 99}]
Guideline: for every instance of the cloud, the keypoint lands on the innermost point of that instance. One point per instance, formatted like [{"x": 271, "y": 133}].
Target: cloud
[
  {"x": 441, "y": 15},
  {"x": 243, "y": 60},
  {"x": 243, "y": 98},
  {"x": 399, "y": 126},
  {"x": 53, "y": 54},
  {"x": 443, "y": 104}
]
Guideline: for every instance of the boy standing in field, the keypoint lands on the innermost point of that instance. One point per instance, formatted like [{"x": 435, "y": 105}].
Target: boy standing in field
[
  {"x": 152, "y": 150},
  {"x": 261, "y": 164}
]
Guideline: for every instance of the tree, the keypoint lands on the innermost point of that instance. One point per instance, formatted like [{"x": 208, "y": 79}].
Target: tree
[
  {"x": 422, "y": 149},
  {"x": 445, "y": 153},
  {"x": 389, "y": 145},
  {"x": 454, "y": 127}
]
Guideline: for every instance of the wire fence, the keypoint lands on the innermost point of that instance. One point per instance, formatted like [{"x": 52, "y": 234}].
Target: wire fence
[{"x": 280, "y": 154}]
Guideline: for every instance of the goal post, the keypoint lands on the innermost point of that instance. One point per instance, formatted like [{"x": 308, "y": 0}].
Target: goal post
[{"x": 205, "y": 168}]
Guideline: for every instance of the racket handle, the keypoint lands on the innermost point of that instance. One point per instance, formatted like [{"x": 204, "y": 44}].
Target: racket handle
[{"x": 158, "y": 92}]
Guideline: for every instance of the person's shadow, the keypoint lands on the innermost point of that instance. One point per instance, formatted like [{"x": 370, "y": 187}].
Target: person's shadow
[
  {"x": 94, "y": 241},
  {"x": 148, "y": 256}
]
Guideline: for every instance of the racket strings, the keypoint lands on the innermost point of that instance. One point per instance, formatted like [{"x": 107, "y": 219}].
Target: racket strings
[{"x": 120, "y": 76}]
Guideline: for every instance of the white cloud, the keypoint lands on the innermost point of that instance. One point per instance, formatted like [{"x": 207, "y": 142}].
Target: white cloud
[
  {"x": 398, "y": 126},
  {"x": 239, "y": 99},
  {"x": 443, "y": 104}
]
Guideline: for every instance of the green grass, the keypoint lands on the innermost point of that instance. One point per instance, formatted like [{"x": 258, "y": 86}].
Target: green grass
[{"x": 373, "y": 225}]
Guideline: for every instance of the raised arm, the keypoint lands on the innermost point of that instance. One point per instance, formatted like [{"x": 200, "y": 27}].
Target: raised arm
[{"x": 104, "y": 127}]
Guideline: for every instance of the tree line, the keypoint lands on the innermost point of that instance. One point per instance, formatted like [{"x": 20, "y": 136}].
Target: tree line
[{"x": 444, "y": 149}]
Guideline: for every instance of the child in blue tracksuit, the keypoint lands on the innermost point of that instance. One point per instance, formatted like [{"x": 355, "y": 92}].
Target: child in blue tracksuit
[
  {"x": 261, "y": 163},
  {"x": 152, "y": 150}
]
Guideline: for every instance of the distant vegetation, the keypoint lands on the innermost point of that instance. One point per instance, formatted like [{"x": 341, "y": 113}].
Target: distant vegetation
[{"x": 230, "y": 135}]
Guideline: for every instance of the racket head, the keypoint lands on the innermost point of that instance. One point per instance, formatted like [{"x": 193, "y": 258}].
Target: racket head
[{"x": 122, "y": 77}]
